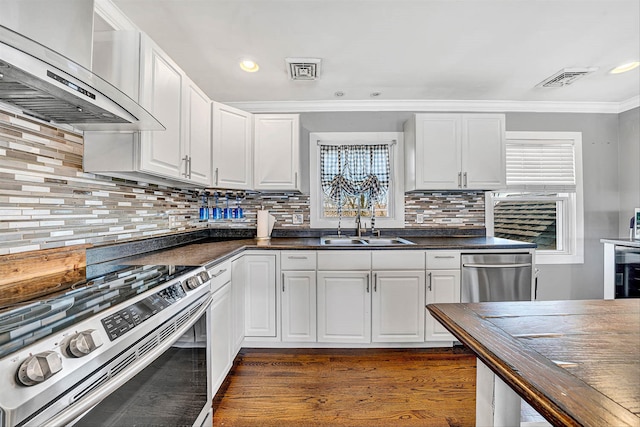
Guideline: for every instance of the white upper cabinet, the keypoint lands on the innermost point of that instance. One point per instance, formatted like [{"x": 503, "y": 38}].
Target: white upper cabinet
[
  {"x": 161, "y": 82},
  {"x": 197, "y": 144},
  {"x": 277, "y": 152},
  {"x": 483, "y": 151},
  {"x": 454, "y": 152},
  {"x": 232, "y": 141},
  {"x": 181, "y": 154}
]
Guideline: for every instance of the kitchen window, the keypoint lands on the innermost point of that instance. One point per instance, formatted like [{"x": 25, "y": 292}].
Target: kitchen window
[
  {"x": 542, "y": 202},
  {"x": 355, "y": 172}
]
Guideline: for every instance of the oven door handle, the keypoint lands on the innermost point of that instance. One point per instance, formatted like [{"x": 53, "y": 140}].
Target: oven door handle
[{"x": 93, "y": 398}]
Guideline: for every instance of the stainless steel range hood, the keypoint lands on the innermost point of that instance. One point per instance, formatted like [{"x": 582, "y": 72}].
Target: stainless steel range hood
[{"x": 49, "y": 86}]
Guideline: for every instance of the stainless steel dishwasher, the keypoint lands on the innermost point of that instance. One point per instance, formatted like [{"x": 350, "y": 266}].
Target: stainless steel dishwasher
[{"x": 496, "y": 277}]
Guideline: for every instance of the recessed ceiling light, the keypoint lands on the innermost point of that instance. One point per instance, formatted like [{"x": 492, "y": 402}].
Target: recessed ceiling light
[
  {"x": 249, "y": 66},
  {"x": 339, "y": 93},
  {"x": 625, "y": 67}
]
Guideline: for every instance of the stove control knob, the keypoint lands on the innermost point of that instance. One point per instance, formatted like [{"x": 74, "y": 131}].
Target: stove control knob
[
  {"x": 193, "y": 282},
  {"x": 39, "y": 368},
  {"x": 84, "y": 342},
  {"x": 204, "y": 276}
]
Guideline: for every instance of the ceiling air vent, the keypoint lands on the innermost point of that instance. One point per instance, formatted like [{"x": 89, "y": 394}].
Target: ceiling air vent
[
  {"x": 303, "y": 68},
  {"x": 565, "y": 77}
]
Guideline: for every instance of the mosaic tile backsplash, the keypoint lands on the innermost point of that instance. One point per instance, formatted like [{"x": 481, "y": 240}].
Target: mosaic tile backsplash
[{"x": 47, "y": 201}]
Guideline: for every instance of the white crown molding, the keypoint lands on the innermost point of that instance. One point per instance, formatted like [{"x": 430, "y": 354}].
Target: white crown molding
[
  {"x": 633, "y": 102},
  {"x": 436, "y": 106}
]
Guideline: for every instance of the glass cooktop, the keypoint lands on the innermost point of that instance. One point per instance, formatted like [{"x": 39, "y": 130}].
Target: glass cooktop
[{"x": 27, "y": 322}]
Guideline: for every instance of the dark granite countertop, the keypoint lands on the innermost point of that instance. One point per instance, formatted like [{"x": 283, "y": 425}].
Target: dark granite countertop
[
  {"x": 634, "y": 243},
  {"x": 205, "y": 251}
]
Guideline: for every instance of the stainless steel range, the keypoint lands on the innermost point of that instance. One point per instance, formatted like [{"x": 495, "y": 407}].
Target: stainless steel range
[{"x": 94, "y": 349}]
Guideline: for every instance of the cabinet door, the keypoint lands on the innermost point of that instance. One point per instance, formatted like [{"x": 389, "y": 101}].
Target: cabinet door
[
  {"x": 260, "y": 295},
  {"x": 442, "y": 286},
  {"x": 398, "y": 306},
  {"x": 344, "y": 307},
  {"x": 277, "y": 159},
  {"x": 232, "y": 147},
  {"x": 483, "y": 151},
  {"x": 299, "y": 306},
  {"x": 198, "y": 138},
  {"x": 161, "y": 152},
  {"x": 237, "y": 302},
  {"x": 437, "y": 151},
  {"x": 221, "y": 352}
]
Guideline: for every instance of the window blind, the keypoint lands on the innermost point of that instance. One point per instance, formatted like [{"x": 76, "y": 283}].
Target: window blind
[{"x": 541, "y": 165}]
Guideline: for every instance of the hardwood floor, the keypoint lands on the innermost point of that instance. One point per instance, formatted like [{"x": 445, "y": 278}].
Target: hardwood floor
[{"x": 349, "y": 387}]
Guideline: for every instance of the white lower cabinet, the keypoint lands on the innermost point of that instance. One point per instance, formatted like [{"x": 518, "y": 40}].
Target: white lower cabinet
[
  {"x": 237, "y": 304},
  {"x": 443, "y": 286},
  {"x": 299, "y": 306},
  {"x": 398, "y": 306},
  {"x": 260, "y": 296},
  {"x": 344, "y": 307},
  {"x": 221, "y": 340}
]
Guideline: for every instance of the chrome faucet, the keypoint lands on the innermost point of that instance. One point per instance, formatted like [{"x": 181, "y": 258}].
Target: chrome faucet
[{"x": 358, "y": 229}]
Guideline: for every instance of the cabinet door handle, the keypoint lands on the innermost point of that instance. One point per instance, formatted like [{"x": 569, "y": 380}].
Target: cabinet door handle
[
  {"x": 219, "y": 273},
  {"x": 429, "y": 282},
  {"x": 459, "y": 179},
  {"x": 367, "y": 283},
  {"x": 216, "y": 176},
  {"x": 465, "y": 179},
  {"x": 186, "y": 166},
  {"x": 190, "y": 166},
  {"x": 282, "y": 282},
  {"x": 375, "y": 282},
  {"x": 444, "y": 256},
  {"x": 297, "y": 257}
]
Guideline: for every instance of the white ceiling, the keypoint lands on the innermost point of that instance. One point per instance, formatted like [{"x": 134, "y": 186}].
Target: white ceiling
[{"x": 413, "y": 52}]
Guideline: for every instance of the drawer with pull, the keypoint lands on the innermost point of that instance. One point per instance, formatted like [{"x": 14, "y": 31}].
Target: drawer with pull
[
  {"x": 298, "y": 260},
  {"x": 220, "y": 275},
  {"x": 443, "y": 260}
]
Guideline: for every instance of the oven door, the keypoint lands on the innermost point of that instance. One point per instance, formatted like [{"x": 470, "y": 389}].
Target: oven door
[{"x": 172, "y": 387}]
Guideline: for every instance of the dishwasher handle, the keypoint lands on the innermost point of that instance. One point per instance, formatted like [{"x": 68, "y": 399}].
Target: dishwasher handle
[{"x": 497, "y": 265}]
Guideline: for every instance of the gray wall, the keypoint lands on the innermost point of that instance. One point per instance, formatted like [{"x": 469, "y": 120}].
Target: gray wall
[
  {"x": 600, "y": 173},
  {"x": 629, "y": 167}
]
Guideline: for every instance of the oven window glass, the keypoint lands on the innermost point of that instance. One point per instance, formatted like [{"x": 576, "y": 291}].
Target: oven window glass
[{"x": 171, "y": 391}]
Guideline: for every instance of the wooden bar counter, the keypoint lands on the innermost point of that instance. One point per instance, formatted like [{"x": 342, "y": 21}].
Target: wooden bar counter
[{"x": 575, "y": 362}]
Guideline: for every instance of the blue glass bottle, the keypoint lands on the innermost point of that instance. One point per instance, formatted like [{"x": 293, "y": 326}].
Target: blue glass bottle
[{"x": 204, "y": 209}]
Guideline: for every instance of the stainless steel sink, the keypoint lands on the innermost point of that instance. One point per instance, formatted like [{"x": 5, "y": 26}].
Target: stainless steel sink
[
  {"x": 363, "y": 241},
  {"x": 341, "y": 241}
]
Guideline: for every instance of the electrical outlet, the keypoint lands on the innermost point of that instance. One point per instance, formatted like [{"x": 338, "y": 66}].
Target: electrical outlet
[
  {"x": 419, "y": 218},
  {"x": 298, "y": 218},
  {"x": 172, "y": 221}
]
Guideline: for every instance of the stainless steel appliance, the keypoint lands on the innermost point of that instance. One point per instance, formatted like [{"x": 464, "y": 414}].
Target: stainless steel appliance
[
  {"x": 496, "y": 277},
  {"x": 44, "y": 84},
  {"x": 627, "y": 265},
  {"x": 126, "y": 348}
]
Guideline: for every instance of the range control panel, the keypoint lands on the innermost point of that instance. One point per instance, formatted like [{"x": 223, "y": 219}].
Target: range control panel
[{"x": 118, "y": 324}]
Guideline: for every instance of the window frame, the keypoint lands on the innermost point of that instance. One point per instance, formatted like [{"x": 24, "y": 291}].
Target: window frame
[
  {"x": 571, "y": 215},
  {"x": 396, "y": 176}
]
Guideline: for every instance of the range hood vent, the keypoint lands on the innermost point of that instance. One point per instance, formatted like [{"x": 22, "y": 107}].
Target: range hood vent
[
  {"x": 566, "y": 77},
  {"x": 48, "y": 86},
  {"x": 303, "y": 68}
]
